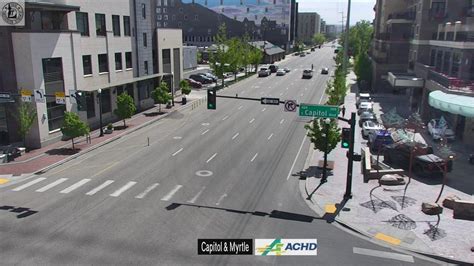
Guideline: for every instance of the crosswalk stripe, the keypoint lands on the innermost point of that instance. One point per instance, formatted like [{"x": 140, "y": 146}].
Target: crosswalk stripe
[
  {"x": 193, "y": 200},
  {"x": 123, "y": 189},
  {"x": 55, "y": 183},
  {"x": 171, "y": 193},
  {"x": 75, "y": 186},
  {"x": 99, "y": 188},
  {"x": 150, "y": 188},
  {"x": 37, "y": 180}
]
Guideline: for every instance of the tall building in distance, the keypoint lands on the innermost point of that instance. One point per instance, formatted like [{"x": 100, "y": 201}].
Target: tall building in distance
[
  {"x": 200, "y": 19},
  {"x": 309, "y": 24},
  {"x": 323, "y": 26}
]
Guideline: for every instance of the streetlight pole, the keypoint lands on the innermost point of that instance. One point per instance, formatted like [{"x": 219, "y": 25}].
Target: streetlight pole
[
  {"x": 327, "y": 121},
  {"x": 99, "y": 95},
  {"x": 346, "y": 39},
  {"x": 172, "y": 88}
]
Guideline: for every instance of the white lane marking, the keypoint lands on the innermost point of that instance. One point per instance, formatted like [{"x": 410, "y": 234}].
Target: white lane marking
[
  {"x": 263, "y": 110},
  {"x": 176, "y": 153},
  {"x": 235, "y": 136},
  {"x": 383, "y": 254},
  {"x": 221, "y": 198},
  {"x": 253, "y": 158},
  {"x": 225, "y": 117},
  {"x": 171, "y": 193},
  {"x": 240, "y": 107},
  {"x": 205, "y": 131},
  {"x": 99, "y": 188},
  {"x": 123, "y": 189},
  {"x": 205, "y": 124},
  {"x": 281, "y": 122},
  {"x": 150, "y": 188},
  {"x": 320, "y": 99},
  {"x": 301, "y": 94},
  {"x": 297, "y": 155},
  {"x": 269, "y": 137},
  {"x": 75, "y": 186},
  {"x": 37, "y": 180},
  {"x": 251, "y": 121},
  {"x": 55, "y": 183},
  {"x": 212, "y": 157},
  {"x": 193, "y": 200},
  {"x": 177, "y": 137}
]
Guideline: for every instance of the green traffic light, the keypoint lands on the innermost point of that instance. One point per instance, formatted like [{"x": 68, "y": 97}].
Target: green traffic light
[{"x": 345, "y": 145}]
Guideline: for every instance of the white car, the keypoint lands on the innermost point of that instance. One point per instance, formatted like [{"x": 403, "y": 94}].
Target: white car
[
  {"x": 438, "y": 131},
  {"x": 281, "y": 72},
  {"x": 363, "y": 97},
  {"x": 264, "y": 72},
  {"x": 365, "y": 106},
  {"x": 370, "y": 126}
]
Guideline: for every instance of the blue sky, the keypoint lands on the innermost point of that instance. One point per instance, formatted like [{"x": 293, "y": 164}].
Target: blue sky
[{"x": 330, "y": 9}]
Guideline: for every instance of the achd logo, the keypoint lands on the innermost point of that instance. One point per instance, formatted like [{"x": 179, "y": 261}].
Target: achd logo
[
  {"x": 286, "y": 247},
  {"x": 13, "y": 13}
]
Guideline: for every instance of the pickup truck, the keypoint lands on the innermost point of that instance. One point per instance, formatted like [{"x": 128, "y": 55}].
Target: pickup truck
[{"x": 424, "y": 163}]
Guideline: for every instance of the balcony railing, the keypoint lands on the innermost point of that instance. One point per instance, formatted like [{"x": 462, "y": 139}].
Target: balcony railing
[{"x": 451, "y": 83}]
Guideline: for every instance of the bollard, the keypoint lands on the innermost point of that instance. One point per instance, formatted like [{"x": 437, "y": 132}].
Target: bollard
[{"x": 148, "y": 138}]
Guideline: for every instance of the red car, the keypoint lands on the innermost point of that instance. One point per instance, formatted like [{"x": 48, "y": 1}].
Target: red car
[{"x": 194, "y": 84}]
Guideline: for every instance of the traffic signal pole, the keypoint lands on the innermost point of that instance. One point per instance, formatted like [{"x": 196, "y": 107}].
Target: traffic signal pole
[{"x": 350, "y": 160}]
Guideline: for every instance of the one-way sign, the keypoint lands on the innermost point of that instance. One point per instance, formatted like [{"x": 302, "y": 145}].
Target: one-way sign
[{"x": 271, "y": 101}]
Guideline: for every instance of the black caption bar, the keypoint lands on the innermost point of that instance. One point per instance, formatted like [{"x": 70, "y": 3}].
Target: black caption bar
[{"x": 225, "y": 246}]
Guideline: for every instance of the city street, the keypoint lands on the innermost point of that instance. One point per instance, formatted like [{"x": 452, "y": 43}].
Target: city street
[{"x": 227, "y": 173}]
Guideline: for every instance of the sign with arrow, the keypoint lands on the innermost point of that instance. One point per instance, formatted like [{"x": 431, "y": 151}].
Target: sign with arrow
[
  {"x": 270, "y": 101},
  {"x": 39, "y": 96}
]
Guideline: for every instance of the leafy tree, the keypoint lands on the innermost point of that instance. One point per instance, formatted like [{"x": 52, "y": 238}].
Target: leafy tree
[
  {"x": 220, "y": 58},
  {"x": 317, "y": 134},
  {"x": 199, "y": 57},
  {"x": 234, "y": 54},
  {"x": 319, "y": 39},
  {"x": 25, "y": 118},
  {"x": 125, "y": 107},
  {"x": 255, "y": 57},
  {"x": 246, "y": 52},
  {"x": 161, "y": 95},
  {"x": 185, "y": 88},
  {"x": 73, "y": 127},
  {"x": 363, "y": 68}
]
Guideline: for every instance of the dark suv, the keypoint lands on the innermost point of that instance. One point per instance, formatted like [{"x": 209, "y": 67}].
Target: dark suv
[
  {"x": 200, "y": 78},
  {"x": 273, "y": 68}
]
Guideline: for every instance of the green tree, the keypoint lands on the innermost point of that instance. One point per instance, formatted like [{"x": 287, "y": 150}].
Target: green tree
[
  {"x": 255, "y": 57},
  {"x": 220, "y": 58},
  {"x": 319, "y": 39},
  {"x": 246, "y": 52},
  {"x": 317, "y": 134},
  {"x": 26, "y": 117},
  {"x": 234, "y": 54},
  {"x": 161, "y": 95},
  {"x": 185, "y": 88},
  {"x": 125, "y": 107},
  {"x": 73, "y": 127},
  {"x": 363, "y": 68}
]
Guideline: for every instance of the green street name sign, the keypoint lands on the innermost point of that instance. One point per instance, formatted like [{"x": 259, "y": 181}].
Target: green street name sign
[{"x": 320, "y": 111}]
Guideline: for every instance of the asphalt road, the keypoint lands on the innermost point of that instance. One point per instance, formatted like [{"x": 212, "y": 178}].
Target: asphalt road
[{"x": 206, "y": 174}]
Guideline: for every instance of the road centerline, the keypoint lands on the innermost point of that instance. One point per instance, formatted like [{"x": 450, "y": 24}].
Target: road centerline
[
  {"x": 171, "y": 193},
  {"x": 212, "y": 157},
  {"x": 204, "y": 132},
  {"x": 253, "y": 158},
  {"x": 251, "y": 121},
  {"x": 178, "y": 151},
  {"x": 269, "y": 137},
  {"x": 235, "y": 136}
]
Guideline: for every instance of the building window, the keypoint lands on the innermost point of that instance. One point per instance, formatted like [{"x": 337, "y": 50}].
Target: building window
[
  {"x": 158, "y": 24},
  {"x": 439, "y": 58},
  {"x": 54, "y": 82},
  {"x": 447, "y": 62},
  {"x": 82, "y": 21},
  {"x": 180, "y": 10},
  {"x": 100, "y": 29},
  {"x": 185, "y": 17},
  {"x": 103, "y": 63},
  {"x": 158, "y": 10},
  {"x": 456, "y": 64},
  {"x": 432, "y": 57},
  {"x": 158, "y": 17},
  {"x": 145, "y": 65},
  {"x": 266, "y": 9},
  {"x": 165, "y": 17},
  {"x": 116, "y": 25},
  {"x": 87, "y": 64},
  {"x": 165, "y": 24},
  {"x": 165, "y": 10},
  {"x": 126, "y": 25},
  {"x": 274, "y": 2},
  {"x": 128, "y": 60},
  {"x": 118, "y": 61},
  {"x": 144, "y": 11},
  {"x": 248, "y": 9},
  {"x": 173, "y": 17},
  {"x": 241, "y": 2},
  {"x": 158, "y": 2},
  {"x": 165, "y": 2},
  {"x": 222, "y": 2},
  {"x": 145, "y": 43},
  {"x": 105, "y": 100},
  {"x": 90, "y": 104},
  {"x": 171, "y": 2},
  {"x": 180, "y": 24},
  {"x": 195, "y": 17}
]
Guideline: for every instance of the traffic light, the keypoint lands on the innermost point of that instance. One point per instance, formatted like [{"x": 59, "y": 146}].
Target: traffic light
[
  {"x": 211, "y": 99},
  {"x": 346, "y": 138}
]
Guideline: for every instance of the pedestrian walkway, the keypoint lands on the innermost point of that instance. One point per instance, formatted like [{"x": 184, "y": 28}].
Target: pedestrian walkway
[{"x": 386, "y": 214}]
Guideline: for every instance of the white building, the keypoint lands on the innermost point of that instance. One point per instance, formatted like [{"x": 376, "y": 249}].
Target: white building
[{"x": 86, "y": 46}]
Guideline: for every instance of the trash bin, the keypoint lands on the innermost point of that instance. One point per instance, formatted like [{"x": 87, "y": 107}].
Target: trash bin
[{"x": 183, "y": 100}]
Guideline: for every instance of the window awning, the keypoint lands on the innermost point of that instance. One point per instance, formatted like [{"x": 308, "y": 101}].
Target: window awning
[{"x": 452, "y": 103}]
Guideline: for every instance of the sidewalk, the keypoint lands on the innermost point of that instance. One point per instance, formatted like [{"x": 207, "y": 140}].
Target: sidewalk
[
  {"x": 60, "y": 152},
  {"x": 383, "y": 218}
]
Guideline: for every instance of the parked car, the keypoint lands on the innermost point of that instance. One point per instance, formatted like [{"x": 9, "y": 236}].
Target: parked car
[
  {"x": 263, "y": 72},
  {"x": 378, "y": 139},
  {"x": 439, "y": 131},
  {"x": 273, "y": 68},
  {"x": 370, "y": 126},
  {"x": 312, "y": 49},
  {"x": 307, "y": 73},
  {"x": 287, "y": 69},
  {"x": 424, "y": 162},
  {"x": 363, "y": 97},
  {"x": 281, "y": 72},
  {"x": 194, "y": 84},
  {"x": 209, "y": 75},
  {"x": 201, "y": 78},
  {"x": 367, "y": 116},
  {"x": 365, "y": 107},
  {"x": 325, "y": 70},
  {"x": 302, "y": 54}
]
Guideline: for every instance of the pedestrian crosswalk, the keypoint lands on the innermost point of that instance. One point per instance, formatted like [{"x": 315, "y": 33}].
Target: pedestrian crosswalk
[{"x": 111, "y": 188}]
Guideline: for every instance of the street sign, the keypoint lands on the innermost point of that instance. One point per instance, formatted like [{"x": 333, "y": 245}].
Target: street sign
[
  {"x": 39, "y": 96},
  {"x": 60, "y": 97},
  {"x": 26, "y": 95},
  {"x": 271, "y": 101},
  {"x": 290, "y": 105},
  {"x": 320, "y": 111},
  {"x": 5, "y": 95}
]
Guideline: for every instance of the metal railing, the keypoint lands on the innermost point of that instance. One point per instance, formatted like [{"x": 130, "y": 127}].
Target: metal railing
[{"x": 451, "y": 83}]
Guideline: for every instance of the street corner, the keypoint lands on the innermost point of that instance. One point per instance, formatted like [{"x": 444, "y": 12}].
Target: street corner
[
  {"x": 8, "y": 180},
  {"x": 4, "y": 181}
]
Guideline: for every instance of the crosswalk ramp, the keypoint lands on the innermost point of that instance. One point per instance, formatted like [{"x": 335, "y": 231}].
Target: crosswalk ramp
[{"x": 112, "y": 188}]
